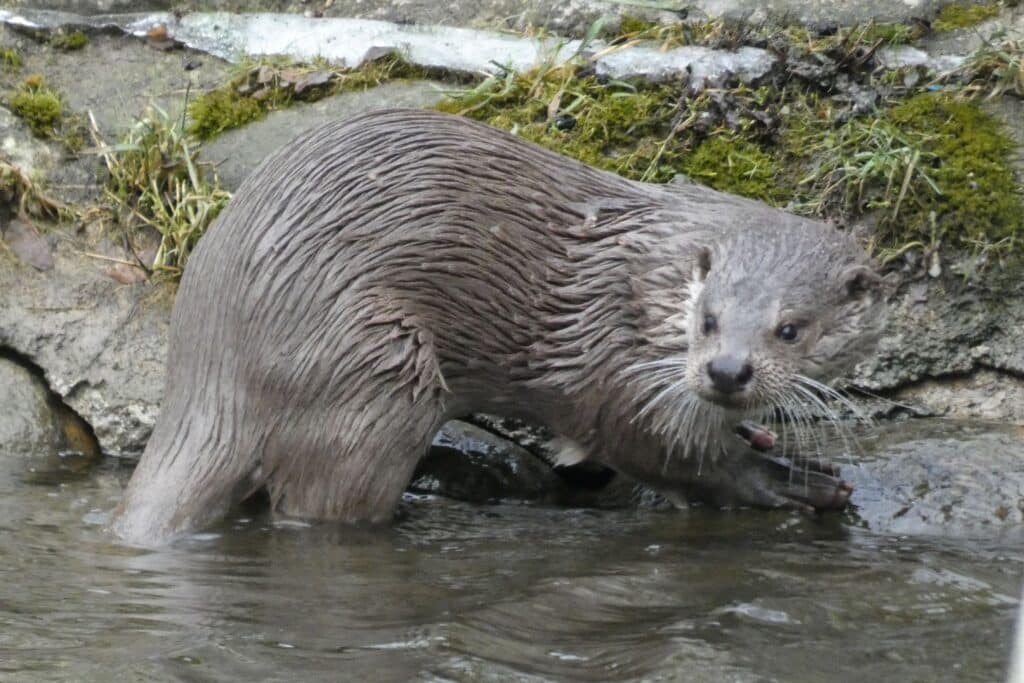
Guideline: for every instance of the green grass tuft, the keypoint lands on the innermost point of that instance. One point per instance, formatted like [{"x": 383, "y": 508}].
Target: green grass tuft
[{"x": 156, "y": 179}]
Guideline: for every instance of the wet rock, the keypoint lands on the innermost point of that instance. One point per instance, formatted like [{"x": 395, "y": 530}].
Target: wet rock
[
  {"x": 26, "y": 421},
  {"x": 462, "y": 50},
  {"x": 940, "y": 477},
  {"x": 704, "y": 67},
  {"x": 101, "y": 344},
  {"x": 572, "y": 17},
  {"x": 468, "y": 463},
  {"x": 237, "y": 152}
]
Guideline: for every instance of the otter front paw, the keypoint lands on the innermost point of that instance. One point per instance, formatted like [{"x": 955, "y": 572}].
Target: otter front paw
[
  {"x": 744, "y": 477},
  {"x": 776, "y": 482}
]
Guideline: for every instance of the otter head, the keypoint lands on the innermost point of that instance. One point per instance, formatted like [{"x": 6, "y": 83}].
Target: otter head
[{"x": 773, "y": 312}]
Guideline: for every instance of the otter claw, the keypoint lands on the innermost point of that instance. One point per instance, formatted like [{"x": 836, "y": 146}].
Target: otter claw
[{"x": 756, "y": 436}]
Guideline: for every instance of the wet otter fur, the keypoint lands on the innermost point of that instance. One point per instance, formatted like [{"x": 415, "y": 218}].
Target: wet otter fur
[{"x": 381, "y": 275}]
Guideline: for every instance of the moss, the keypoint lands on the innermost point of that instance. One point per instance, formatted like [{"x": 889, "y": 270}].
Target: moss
[
  {"x": 733, "y": 164},
  {"x": 10, "y": 60},
  {"x": 40, "y": 107},
  {"x": 273, "y": 83},
  {"x": 615, "y": 127},
  {"x": 75, "y": 40},
  {"x": 978, "y": 201},
  {"x": 632, "y": 25},
  {"x": 953, "y": 17},
  {"x": 888, "y": 34},
  {"x": 218, "y": 110}
]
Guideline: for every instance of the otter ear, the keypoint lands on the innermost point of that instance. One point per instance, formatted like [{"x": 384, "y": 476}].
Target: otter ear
[
  {"x": 860, "y": 280},
  {"x": 702, "y": 265}
]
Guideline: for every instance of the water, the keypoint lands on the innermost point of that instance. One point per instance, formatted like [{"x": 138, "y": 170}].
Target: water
[{"x": 486, "y": 593}]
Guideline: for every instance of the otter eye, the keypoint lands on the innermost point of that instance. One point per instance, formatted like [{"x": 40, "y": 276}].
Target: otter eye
[
  {"x": 710, "y": 323},
  {"x": 788, "y": 332}
]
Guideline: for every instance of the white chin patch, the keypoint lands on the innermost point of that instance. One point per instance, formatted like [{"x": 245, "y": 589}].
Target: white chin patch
[{"x": 567, "y": 452}]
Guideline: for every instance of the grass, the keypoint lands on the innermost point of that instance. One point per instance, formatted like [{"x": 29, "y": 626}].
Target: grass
[
  {"x": 18, "y": 189},
  {"x": 995, "y": 69},
  {"x": 267, "y": 84},
  {"x": 156, "y": 179}
]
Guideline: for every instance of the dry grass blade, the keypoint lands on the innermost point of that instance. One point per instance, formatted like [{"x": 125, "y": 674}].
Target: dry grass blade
[{"x": 156, "y": 179}]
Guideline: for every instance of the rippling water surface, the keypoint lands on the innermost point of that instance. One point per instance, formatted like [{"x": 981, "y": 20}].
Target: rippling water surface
[{"x": 494, "y": 593}]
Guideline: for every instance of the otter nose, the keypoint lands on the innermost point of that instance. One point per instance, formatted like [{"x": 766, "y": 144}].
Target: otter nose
[{"x": 729, "y": 374}]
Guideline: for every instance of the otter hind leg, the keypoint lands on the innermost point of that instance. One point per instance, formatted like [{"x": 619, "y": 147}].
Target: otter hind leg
[
  {"x": 187, "y": 478},
  {"x": 350, "y": 452},
  {"x": 357, "y": 470}
]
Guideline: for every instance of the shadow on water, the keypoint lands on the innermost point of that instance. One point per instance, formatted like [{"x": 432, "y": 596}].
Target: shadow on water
[{"x": 455, "y": 591}]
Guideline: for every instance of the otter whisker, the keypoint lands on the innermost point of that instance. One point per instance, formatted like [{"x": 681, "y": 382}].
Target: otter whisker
[
  {"x": 837, "y": 395},
  {"x": 777, "y": 407},
  {"x": 677, "y": 386},
  {"x": 838, "y": 426}
]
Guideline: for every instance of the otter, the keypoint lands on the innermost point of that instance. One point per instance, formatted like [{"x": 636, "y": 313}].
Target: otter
[{"x": 381, "y": 275}]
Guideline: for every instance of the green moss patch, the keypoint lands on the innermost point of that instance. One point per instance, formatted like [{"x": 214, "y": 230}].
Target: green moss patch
[
  {"x": 75, "y": 40},
  {"x": 38, "y": 106},
  {"x": 615, "y": 127},
  {"x": 272, "y": 84},
  {"x": 733, "y": 164},
  {"x": 953, "y": 17},
  {"x": 966, "y": 153}
]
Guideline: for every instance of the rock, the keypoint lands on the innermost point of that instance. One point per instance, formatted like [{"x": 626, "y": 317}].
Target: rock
[
  {"x": 28, "y": 245},
  {"x": 27, "y": 424},
  {"x": 905, "y": 56},
  {"x": 943, "y": 328},
  {"x": 237, "y": 152},
  {"x": 940, "y": 477},
  {"x": 705, "y": 68},
  {"x": 572, "y": 17},
  {"x": 468, "y": 463},
  {"x": 117, "y": 78},
  {"x": 101, "y": 345},
  {"x": 20, "y": 148},
  {"x": 983, "y": 393}
]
